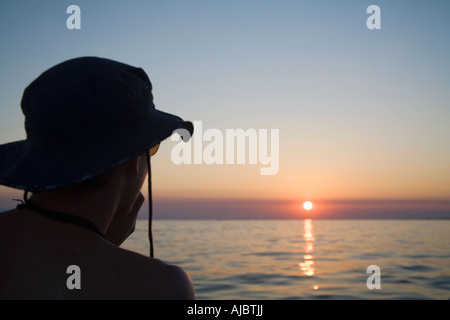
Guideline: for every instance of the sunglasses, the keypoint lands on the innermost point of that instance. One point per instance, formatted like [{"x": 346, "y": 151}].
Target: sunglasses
[{"x": 154, "y": 149}]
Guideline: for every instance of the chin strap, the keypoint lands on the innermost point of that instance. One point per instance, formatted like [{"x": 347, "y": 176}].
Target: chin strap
[{"x": 150, "y": 204}]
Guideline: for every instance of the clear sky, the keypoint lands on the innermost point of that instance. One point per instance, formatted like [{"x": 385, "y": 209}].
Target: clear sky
[{"x": 362, "y": 114}]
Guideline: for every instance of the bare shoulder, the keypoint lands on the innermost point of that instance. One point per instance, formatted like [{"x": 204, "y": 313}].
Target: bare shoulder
[
  {"x": 153, "y": 279},
  {"x": 178, "y": 285},
  {"x": 106, "y": 271}
]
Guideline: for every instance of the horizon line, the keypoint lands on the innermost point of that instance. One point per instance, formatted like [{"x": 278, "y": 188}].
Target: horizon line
[{"x": 165, "y": 208}]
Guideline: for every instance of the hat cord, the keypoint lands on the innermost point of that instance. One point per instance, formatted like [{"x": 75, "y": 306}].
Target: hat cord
[
  {"x": 150, "y": 204},
  {"x": 59, "y": 216},
  {"x": 55, "y": 215},
  {"x": 24, "y": 200}
]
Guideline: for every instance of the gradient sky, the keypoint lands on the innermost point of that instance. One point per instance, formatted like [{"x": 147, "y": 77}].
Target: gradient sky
[{"x": 362, "y": 114}]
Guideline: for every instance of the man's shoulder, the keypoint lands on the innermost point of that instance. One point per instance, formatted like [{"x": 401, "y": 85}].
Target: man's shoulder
[{"x": 150, "y": 278}]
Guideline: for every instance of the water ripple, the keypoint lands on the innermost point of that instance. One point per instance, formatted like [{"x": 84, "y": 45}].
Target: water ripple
[{"x": 325, "y": 259}]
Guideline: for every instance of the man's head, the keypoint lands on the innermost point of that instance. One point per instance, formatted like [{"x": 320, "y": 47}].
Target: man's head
[
  {"x": 83, "y": 117},
  {"x": 87, "y": 119}
]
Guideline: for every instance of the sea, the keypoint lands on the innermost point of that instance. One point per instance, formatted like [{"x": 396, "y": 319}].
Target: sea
[{"x": 305, "y": 259}]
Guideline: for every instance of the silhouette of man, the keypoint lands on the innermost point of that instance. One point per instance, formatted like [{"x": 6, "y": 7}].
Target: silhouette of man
[{"x": 91, "y": 129}]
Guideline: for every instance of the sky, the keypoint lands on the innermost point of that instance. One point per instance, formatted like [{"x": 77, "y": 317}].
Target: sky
[{"x": 362, "y": 115}]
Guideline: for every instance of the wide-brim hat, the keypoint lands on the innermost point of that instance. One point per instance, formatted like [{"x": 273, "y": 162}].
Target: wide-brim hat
[{"x": 84, "y": 117}]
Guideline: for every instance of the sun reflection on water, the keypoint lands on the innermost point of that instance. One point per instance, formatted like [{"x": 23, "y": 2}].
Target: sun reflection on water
[{"x": 307, "y": 266}]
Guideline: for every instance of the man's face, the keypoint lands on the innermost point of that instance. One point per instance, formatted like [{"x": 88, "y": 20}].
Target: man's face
[
  {"x": 122, "y": 226},
  {"x": 124, "y": 220}
]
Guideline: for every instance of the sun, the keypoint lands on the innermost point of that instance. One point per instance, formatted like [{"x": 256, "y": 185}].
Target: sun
[{"x": 307, "y": 205}]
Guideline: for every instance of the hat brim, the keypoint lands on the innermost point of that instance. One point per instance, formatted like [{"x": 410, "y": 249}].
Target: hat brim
[{"x": 23, "y": 168}]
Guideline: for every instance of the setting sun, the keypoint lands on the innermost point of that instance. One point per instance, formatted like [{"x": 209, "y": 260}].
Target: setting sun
[{"x": 307, "y": 205}]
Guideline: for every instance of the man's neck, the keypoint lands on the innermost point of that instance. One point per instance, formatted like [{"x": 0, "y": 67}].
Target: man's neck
[{"x": 97, "y": 206}]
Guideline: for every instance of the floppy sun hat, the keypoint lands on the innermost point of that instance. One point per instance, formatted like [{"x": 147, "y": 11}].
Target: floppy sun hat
[{"x": 84, "y": 117}]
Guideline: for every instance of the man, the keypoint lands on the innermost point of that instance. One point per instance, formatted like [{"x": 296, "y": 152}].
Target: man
[{"x": 91, "y": 128}]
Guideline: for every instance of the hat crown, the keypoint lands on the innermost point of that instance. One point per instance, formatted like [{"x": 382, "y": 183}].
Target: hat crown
[{"x": 85, "y": 100}]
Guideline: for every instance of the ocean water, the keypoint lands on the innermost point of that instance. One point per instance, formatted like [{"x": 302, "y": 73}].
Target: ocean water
[{"x": 305, "y": 259}]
